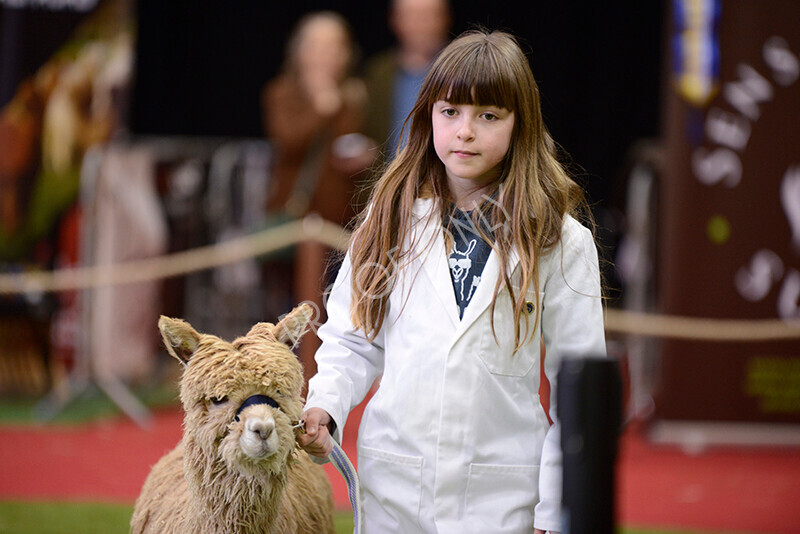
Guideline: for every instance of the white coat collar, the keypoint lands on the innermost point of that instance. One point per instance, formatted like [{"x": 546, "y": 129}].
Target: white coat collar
[{"x": 430, "y": 249}]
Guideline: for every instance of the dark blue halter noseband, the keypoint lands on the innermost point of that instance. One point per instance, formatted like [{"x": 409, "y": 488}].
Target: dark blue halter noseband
[{"x": 256, "y": 399}]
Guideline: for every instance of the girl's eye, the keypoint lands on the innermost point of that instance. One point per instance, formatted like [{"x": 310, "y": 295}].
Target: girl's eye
[
  {"x": 448, "y": 112},
  {"x": 490, "y": 117},
  {"x": 219, "y": 400}
]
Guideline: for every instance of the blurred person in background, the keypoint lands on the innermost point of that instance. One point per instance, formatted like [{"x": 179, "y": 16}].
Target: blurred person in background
[
  {"x": 394, "y": 76},
  {"x": 312, "y": 113}
]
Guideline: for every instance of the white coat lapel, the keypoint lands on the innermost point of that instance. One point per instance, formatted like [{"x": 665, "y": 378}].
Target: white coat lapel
[{"x": 429, "y": 249}]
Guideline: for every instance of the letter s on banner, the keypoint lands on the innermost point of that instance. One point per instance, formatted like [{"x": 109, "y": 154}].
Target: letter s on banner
[{"x": 755, "y": 282}]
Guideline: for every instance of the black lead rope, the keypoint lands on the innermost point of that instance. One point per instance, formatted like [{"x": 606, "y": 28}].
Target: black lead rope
[{"x": 256, "y": 399}]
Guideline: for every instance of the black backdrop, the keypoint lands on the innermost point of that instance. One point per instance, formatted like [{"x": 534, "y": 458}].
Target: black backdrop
[
  {"x": 201, "y": 66},
  {"x": 28, "y": 38}
]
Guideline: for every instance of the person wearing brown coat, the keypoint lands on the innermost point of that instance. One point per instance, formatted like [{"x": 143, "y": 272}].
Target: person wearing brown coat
[{"x": 312, "y": 114}]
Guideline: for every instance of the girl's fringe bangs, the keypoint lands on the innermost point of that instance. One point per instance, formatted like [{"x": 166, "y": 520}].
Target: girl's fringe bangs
[{"x": 476, "y": 79}]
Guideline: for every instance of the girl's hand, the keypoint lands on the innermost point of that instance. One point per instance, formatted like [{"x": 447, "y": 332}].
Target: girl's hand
[{"x": 316, "y": 440}]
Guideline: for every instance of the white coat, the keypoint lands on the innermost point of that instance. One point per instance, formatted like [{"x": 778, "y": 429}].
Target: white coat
[{"x": 455, "y": 439}]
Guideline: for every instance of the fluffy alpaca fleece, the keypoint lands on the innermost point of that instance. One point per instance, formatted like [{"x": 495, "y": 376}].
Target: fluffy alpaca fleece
[{"x": 229, "y": 476}]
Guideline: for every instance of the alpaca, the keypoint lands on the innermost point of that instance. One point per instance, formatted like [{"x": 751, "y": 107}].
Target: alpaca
[{"x": 237, "y": 469}]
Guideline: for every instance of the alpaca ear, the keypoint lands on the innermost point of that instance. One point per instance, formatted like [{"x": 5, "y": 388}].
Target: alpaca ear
[
  {"x": 179, "y": 337},
  {"x": 294, "y": 324}
]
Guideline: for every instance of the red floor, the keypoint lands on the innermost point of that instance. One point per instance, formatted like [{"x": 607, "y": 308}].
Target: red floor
[{"x": 741, "y": 490}]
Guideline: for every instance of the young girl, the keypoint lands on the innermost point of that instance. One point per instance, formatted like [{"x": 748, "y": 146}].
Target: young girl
[{"x": 465, "y": 266}]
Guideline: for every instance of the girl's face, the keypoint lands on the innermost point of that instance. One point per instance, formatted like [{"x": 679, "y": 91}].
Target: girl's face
[{"x": 471, "y": 141}]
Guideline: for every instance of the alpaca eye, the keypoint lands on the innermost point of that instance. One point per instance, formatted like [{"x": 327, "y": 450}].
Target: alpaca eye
[{"x": 219, "y": 400}]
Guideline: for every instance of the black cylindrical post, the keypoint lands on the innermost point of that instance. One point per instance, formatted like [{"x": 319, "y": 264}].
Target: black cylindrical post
[{"x": 589, "y": 408}]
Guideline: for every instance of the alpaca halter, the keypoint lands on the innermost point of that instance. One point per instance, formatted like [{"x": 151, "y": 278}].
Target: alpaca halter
[
  {"x": 337, "y": 457},
  {"x": 254, "y": 400}
]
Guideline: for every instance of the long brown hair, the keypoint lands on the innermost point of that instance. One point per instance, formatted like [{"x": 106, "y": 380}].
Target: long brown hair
[{"x": 533, "y": 193}]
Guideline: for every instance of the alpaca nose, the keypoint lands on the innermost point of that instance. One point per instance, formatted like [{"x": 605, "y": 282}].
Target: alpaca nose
[{"x": 261, "y": 427}]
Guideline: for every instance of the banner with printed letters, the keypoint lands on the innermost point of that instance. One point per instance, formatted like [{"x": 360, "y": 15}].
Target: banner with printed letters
[{"x": 729, "y": 210}]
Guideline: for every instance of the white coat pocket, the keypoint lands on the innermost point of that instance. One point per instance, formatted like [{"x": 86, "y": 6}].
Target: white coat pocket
[
  {"x": 390, "y": 490},
  {"x": 501, "y": 498},
  {"x": 498, "y": 353}
]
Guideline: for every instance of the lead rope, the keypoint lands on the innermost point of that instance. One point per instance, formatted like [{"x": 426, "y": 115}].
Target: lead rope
[{"x": 342, "y": 464}]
